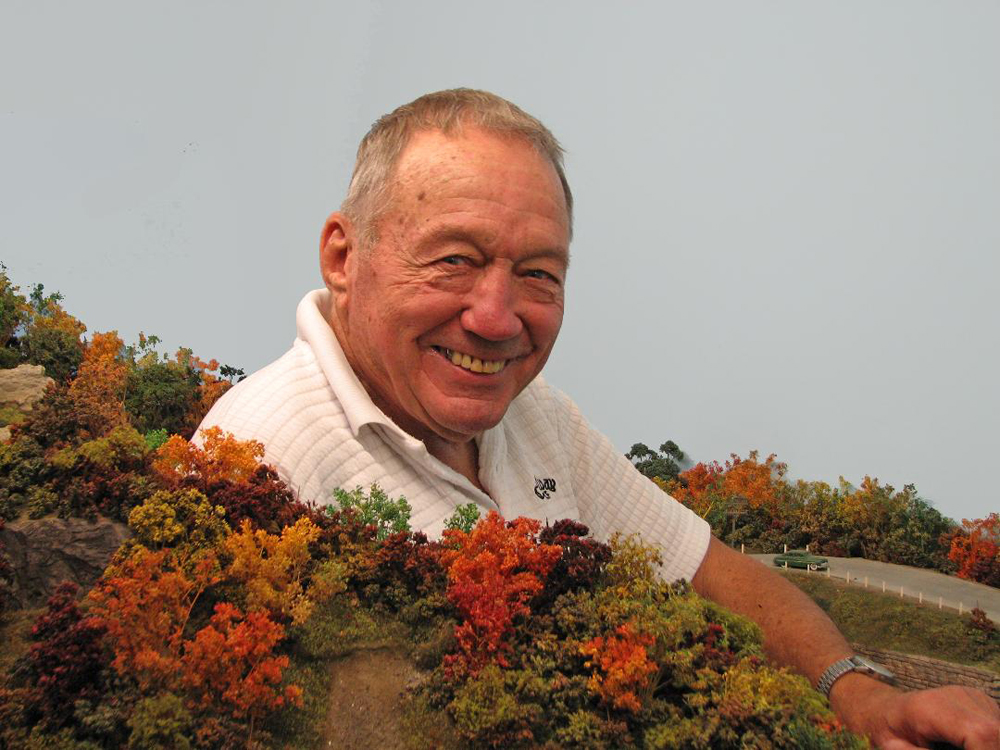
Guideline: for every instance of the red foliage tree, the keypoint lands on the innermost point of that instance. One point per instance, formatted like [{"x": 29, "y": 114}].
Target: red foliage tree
[
  {"x": 493, "y": 572},
  {"x": 974, "y": 549},
  {"x": 67, "y": 656},
  {"x": 580, "y": 563},
  {"x": 263, "y": 499}
]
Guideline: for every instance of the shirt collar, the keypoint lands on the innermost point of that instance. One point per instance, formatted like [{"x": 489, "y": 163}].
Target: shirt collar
[{"x": 313, "y": 328}]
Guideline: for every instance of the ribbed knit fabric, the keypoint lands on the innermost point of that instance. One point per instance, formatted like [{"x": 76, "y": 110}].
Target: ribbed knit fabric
[{"x": 321, "y": 431}]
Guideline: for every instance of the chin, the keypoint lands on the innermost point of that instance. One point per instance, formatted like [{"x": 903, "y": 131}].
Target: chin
[{"x": 471, "y": 425}]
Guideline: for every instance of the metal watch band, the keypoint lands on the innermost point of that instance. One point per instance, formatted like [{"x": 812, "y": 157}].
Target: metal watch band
[{"x": 852, "y": 664}]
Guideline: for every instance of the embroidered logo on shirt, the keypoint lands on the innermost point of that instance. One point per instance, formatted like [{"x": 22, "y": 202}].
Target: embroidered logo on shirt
[{"x": 543, "y": 487}]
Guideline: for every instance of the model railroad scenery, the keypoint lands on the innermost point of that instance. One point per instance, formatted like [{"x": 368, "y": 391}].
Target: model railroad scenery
[{"x": 161, "y": 593}]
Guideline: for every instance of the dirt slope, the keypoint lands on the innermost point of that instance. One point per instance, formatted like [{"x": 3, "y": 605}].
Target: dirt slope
[{"x": 366, "y": 708}]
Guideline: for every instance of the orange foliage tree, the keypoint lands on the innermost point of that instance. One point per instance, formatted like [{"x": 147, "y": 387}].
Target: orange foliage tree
[
  {"x": 99, "y": 386},
  {"x": 52, "y": 339},
  {"x": 220, "y": 458},
  {"x": 145, "y": 606},
  {"x": 621, "y": 667},
  {"x": 748, "y": 481},
  {"x": 231, "y": 662}
]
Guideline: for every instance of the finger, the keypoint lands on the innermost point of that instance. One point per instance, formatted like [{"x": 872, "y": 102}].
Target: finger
[
  {"x": 977, "y": 728},
  {"x": 983, "y": 735}
]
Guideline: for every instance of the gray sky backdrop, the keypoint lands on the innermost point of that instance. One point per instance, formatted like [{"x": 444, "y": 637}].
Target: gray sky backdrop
[{"x": 788, "y": 212}]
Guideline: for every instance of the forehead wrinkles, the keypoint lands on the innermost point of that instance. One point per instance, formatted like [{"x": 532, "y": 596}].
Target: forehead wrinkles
[{"x": 435, "y": 168}]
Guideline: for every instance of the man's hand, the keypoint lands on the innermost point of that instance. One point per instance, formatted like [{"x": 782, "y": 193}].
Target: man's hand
[{"x": 894, "y": 720}]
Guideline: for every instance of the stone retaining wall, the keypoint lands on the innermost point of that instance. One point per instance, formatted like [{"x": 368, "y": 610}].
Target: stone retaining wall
[{"x": 918, "y": 672}]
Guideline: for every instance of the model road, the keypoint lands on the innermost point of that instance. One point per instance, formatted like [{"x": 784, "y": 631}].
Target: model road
[{"x": 913, "y": 580}]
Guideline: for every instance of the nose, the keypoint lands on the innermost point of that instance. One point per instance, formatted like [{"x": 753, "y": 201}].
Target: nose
[{"x": 490, "y": 310}]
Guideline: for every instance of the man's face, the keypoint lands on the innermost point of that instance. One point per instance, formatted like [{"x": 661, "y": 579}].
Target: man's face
[{"x": 458, "y": 305}]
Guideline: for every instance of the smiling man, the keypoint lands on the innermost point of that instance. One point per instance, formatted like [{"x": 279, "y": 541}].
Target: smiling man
[
  {"x": 455, "y": 308},
  {"x": 417, "y": 367}
]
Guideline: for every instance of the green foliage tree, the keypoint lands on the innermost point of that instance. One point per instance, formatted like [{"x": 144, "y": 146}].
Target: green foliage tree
[
  {"x": 160, "y": 394},
  {"x": 232, "y": 374},
  {"x": 663, "y": 465},
  {"x": 51, "y": 336},
  {"x": 375, "y": 508},
  {"x": 464, "y": 518},
  {"x": 161, "y": 722},
  {"x": 14, "y": 311}
]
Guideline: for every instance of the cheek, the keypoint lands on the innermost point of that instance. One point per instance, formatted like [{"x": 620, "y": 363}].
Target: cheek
[{"x": 545, "y": 324}]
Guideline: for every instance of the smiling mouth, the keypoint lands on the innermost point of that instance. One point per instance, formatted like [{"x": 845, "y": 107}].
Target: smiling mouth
[{"x": 470, "y": 363}]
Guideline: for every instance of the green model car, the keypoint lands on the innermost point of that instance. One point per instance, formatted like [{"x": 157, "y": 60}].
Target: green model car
[{"x": 799, "y": 558}]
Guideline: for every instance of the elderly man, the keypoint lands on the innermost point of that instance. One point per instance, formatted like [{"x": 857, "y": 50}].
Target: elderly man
[{"x": 417, "y": 366}]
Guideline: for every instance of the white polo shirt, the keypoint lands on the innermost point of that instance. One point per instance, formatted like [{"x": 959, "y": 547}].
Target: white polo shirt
[{"x": 321, "y": 431}]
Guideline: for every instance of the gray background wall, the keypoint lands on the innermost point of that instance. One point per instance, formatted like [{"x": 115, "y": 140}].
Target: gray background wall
[{"x": 788, "y": 212}]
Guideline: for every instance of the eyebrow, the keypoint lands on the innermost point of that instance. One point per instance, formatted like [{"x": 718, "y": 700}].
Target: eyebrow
[{"x": 556, "y": 253}]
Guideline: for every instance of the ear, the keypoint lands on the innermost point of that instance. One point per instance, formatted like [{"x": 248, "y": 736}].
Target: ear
[{"x": 337, "y": 244}]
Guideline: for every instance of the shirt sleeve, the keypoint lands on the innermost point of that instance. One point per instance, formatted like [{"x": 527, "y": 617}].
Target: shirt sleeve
[{"x": 612, "y": 496}]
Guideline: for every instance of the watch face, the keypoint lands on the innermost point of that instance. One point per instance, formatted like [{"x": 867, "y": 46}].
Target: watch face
[{"x": 873, "y": 668}]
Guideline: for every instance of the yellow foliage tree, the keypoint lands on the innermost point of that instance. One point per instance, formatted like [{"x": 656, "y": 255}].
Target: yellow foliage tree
[
  {"x": 178, "y": 518},
  {"x": 279, "y": 573}
]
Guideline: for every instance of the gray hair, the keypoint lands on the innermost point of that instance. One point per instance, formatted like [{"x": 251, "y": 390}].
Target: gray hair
[{"x": 370, "y": 193}]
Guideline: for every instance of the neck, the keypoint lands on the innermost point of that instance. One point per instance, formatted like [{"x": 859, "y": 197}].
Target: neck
[{"x": 462, "y": 457}]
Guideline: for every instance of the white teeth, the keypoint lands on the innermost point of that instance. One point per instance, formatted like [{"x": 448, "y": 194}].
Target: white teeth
[{"x": 474, "y": 364}]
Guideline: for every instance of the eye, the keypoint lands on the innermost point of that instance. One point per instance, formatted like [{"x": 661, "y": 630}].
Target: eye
[
  {"x": 537, "y": 273},
  {"x": 454, "y": 260}
]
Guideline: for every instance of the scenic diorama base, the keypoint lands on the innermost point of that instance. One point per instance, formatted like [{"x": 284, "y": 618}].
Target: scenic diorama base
[
  {"x": 936, "y": 643},
  {"x": 281, "y": 624}
]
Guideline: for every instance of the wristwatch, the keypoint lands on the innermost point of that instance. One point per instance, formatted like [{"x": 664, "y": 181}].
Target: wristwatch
[{"x": 852, "y": 664}]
